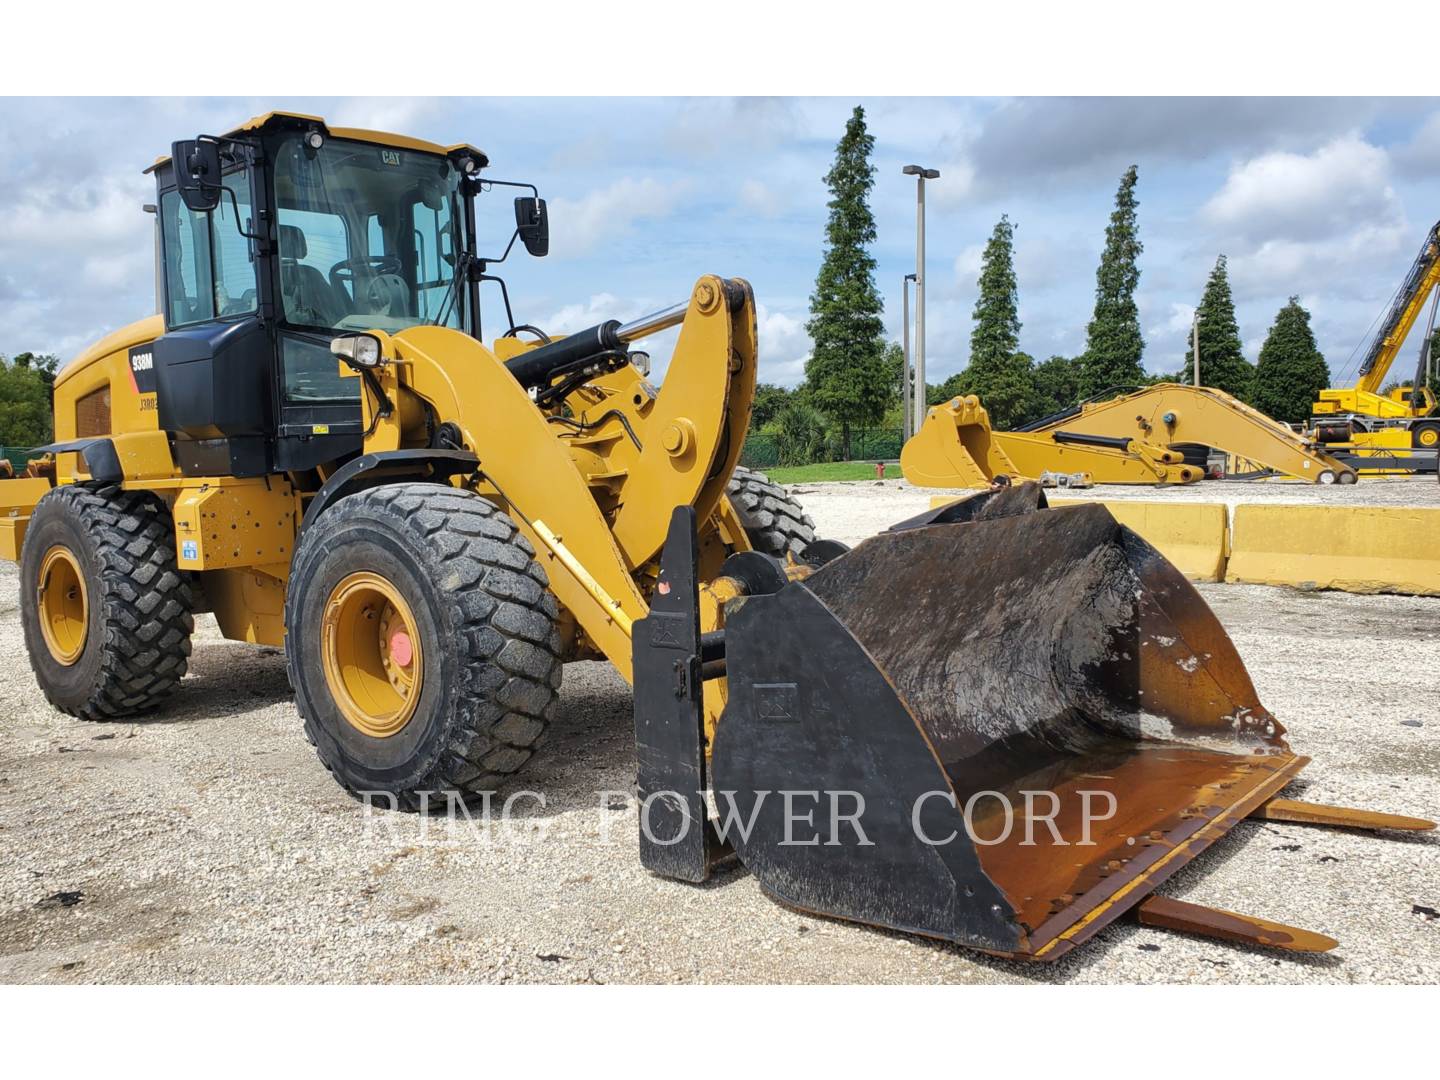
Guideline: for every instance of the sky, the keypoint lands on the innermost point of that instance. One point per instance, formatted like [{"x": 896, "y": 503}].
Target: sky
[{"x": 1327, "y": 199}]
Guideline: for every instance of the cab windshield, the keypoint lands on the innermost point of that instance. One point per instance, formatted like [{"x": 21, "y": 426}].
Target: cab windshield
[{"x": 369, "y": 236}]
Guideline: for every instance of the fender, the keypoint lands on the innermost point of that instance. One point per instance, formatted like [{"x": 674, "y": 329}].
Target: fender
[
  {"x": 384, "y": 466},
  {"x": 99, "y": 454}
]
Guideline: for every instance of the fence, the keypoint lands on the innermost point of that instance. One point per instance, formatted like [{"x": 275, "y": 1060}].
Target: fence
[
  {"x": 18, "y": 456},
  {"x": 762, "y": 449}
]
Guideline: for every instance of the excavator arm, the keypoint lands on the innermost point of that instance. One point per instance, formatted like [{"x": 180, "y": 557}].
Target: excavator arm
[{"x": 1130, "y": 439}]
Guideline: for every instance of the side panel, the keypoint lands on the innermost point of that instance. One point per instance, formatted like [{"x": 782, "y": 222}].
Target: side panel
[{"x": 101, "y": 382}]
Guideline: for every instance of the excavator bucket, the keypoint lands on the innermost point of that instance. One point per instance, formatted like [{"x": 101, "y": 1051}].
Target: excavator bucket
[{"x": 1002, "y": 731}]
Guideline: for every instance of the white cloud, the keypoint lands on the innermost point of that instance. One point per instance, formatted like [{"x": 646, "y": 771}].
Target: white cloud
[
  {"x": 1420, "y": 157},
  {"x": 1286, "y": 197},
  {"x": 403, "y": 115},
  {"x": 954, "y": 188},
  {"x": 784, "y": 346},
  {"x": 760, "y": 198},
  {"x": 719, "y": 127},
  {"x": 968, "y": 263},
  {"x": 578, "y": 226},
  {"x": 1288, "y": 219},
  {"x": 1177, "y": 322}
]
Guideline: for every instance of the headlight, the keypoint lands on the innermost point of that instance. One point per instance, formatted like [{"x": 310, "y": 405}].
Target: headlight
[
  {"x": 362, "y": 350},
  {"x": 641, "y": 361}
]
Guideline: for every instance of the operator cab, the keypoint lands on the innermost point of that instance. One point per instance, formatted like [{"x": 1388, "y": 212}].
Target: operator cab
[{"x": 281, "y": 236}]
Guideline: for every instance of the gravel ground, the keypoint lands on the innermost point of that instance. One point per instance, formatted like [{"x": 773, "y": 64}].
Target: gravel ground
[{"x": 207, "y": 844}]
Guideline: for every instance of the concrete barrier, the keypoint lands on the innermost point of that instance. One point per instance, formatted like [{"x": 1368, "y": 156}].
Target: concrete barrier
[
  {"x": 1193, "y": 536},
  {"x": 1365, "y": 549},
  {"x": 1360, "y": 549}
]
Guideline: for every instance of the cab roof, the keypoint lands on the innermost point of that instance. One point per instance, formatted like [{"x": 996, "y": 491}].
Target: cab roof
[{"x": 379, "y": 138}]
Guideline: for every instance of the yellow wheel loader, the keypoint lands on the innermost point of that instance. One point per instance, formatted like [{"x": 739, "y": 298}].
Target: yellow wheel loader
[
  {"x": 1160, "y": 434},
  {"x": 311, "y": 441}
]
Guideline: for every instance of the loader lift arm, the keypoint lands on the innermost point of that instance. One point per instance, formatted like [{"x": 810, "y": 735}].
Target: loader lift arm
[{"x": 586, "y": 502}]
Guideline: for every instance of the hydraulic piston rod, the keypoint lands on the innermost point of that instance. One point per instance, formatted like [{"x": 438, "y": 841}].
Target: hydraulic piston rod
[{"x": 539, "y": 366}]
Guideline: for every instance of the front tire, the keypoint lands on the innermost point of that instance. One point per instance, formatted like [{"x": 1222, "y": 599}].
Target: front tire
[
  {"x": 106, "y": 613},
  {"x": 421, "y": 642}
]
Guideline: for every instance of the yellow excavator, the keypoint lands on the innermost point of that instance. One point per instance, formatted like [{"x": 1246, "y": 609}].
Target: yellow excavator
[
  {"x": 312, "y": 442},
  {"x": 1160, "y": 434},
  {"x": 1397, "y": 431}
]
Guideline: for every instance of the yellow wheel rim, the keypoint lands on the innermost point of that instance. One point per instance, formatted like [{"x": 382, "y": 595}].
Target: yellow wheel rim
[
  {"x": 372, "y": 655},
  {"x": 1429, "y": 436},
  {"x": 63, "y": 605}
]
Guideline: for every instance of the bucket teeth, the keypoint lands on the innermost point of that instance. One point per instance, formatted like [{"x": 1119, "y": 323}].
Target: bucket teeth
[
  {"x": 1341, "y": 817},
  {"x": 1225, "y": 925}
]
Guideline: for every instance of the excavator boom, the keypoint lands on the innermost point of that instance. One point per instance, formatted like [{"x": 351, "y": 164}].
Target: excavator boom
[{"x": 1136, "y": 438}]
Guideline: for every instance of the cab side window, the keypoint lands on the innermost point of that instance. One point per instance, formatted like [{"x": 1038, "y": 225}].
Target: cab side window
[
  {"x": 209, "y": 264},
  {"x": 234, "y": 252},
  {"x": 189, "y": 283},
  {"x": 434, "y": 235}
]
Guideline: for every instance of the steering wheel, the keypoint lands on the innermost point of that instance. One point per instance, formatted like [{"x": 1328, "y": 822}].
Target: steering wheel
[{"x": 344, "y": 272}]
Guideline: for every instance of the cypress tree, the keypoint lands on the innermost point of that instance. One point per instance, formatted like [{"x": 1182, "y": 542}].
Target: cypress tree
[
  {"x": 1291, "y": 371},
  {"x": 1057, "y": 386},
  {"x": 998, "y": 372},
  {"x": 1113, "y": 342},
  {"x": 1222, "y": 360},
  {"x": 846, "y": 371}
]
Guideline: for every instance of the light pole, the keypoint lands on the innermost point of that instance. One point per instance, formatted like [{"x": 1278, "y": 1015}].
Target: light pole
[
  {"x": 1195, "y": 344},
  {"x": 921, "y": 174},
  {"x": 905, "y": 382}
]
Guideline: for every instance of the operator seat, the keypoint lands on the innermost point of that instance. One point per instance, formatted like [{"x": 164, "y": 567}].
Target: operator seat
[{"x": 308, "y": 296}]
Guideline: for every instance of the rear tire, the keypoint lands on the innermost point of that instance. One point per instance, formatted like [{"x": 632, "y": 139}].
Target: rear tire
[
  {"x": 1425, "y": 436},
  {"x": 774, "y": 521},
  {"x": 121, "y": 642},
  {"x": 480, "y": 667}
]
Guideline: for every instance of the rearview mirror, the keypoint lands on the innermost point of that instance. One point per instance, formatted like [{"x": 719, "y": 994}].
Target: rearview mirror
[
  {"x": 532, "y": 222},
  {"x": 197, "y": 173}
]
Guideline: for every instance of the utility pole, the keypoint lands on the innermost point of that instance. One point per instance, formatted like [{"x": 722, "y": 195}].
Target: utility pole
[
  {"x": 1195, "y": 343},
  {"x": 921, "y": 174},
  {"x": 906, "y": 381}
]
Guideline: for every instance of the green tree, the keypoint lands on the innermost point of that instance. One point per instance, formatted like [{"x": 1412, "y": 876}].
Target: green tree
[
  {"x": 1222, "y": 361},
  {"x": 846, "y": 371},
  {"x": 1113, "y": 342},
  {"x": 998, "y": 372},
  {"x": 894, "y": 374},
  {"x": 27, "y": 392},
  {"x": 1057, "y": 386},
  {"x": 769, "y": 400},
  {"x": 1291, "y": 371},
  {"x": 801, "y": 436}
]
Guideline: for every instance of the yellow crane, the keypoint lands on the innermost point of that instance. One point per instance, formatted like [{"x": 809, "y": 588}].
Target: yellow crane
[{"x": 1362, "y": 418}]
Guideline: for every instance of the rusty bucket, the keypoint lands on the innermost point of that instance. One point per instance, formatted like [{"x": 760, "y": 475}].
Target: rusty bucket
[{"x": 1001, "y": 725}]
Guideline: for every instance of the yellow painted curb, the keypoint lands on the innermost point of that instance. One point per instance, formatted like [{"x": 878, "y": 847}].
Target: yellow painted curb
[
  {"x": 1359, "y": 549},
  {"x": 1363, "y": 549},
  {"x": 1193, "y": 536}
]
